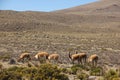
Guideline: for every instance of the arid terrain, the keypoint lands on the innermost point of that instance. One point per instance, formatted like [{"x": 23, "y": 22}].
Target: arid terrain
[{"x": 91, "y": 28}]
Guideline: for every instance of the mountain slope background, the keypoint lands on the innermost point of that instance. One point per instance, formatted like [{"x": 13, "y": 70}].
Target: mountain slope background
[
  {"x": 101, "y": 6},
  {"x": 91, "y": 28}
]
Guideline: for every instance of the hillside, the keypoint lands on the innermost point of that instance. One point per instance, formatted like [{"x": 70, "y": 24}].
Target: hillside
[
  {"x": 101, "y": 6},
  {"x": 90, "y": 28},
  {"x": 88, "y": 17}
]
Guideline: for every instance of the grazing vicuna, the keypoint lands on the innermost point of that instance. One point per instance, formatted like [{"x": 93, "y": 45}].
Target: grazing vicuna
[
  {"x": 82, "y": 57},
  {"x": 41, "y": 55},
  {"x": 74, "y": 57},
  {"x": 93, "y": 59},
  {"x": 54, "y": 57},
  {"x": 24, "y": 56}
]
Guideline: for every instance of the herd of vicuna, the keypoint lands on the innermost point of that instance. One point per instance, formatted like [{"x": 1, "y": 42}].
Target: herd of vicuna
[{"x": 81, "y": 58}]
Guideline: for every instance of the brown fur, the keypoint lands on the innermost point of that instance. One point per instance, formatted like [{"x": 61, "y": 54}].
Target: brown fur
[
  {"x": 41, "y": 55},
  {"x": 74, "y": 57},
  {"x": 54, "y": 56},
  {"x": 94, "y": 59},
  {"x": 82, "y": 57},
  {"x": 23, "y": 56}
]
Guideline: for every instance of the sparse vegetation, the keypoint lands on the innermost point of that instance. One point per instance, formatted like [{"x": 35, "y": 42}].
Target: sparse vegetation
[
  {"x": 43, "y": 72},
  {"x": 75, "y": 68},
  {"x": 96, "y": 71},
  {"x": 92, "y": 29},
  {"x": 5, "y": 57},
  {"x": 1, "y": 66},
  {"x": 82, "y": 76},
  {"x": 112, "y": 75}
]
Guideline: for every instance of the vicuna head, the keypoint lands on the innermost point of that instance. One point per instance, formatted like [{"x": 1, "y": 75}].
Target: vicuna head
[
  {"x": 93, "y": 59},
  {"x": 24, "y": 56},
  {"x": 74, "y": 57}
]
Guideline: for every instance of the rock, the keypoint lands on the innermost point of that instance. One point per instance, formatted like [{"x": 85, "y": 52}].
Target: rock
[
  {"x": 92, "y": 78},
  {"x": 12, "y": 61}
]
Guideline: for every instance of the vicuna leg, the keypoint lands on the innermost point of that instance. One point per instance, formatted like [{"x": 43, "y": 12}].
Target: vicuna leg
[
  {"x": 72, "y": 61},
  {"x": 95, "y": 63}
]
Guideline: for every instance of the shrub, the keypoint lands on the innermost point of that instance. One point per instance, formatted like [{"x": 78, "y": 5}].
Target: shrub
[
  {"x": 96, "y": 71},
  {"x": 1, "y": 66},
  {"x": 43, "y": 72},
  {"x": 64, "y": 70},
  {"x": 5, "y": 57},
  {"x": 50, "y": 72},
  {"x": 75, "y": 68},
  {"x": 69, "y": 70},
  {"x": 116, "y": 78},
  {"x": 111, "y": 75},
  {"x": 8, "y": 75},
  {"x": 82, "y": 76}
]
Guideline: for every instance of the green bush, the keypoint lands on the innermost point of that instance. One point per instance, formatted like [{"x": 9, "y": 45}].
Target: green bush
[
  {"x": 96, "y": 71},
  {"x": 116, "y": 78},
  {"x": 64, "y": 70},
  {"x": 1, "y": 66},
  {"x": 75, "y": 68},
  {"x": 111, "y": 75},
  {"x": 43, "y": 72},
  {"x": 5, "y": 57},
  {"x": 82, "y": 76},
  {"x": 10, "y": 75}
]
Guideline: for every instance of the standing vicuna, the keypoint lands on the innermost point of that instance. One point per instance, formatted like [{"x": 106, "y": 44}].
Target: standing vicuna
[
  {"x": 82, "y": 57},
  {"x": 54, "y": 57},
  {"x": 93, "y": 59},
  {"x": 74, "y": 57},
  {"x": 24, "y": 56},
  {"x": 41, "y": 55}
]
